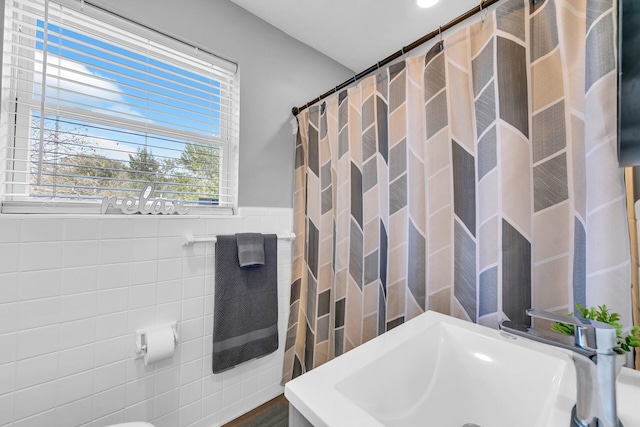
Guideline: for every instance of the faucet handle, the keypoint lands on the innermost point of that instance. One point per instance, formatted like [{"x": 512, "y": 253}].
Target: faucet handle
[
  {"x": 589, "y": 334},
  {"x": 547, "y": 315}
]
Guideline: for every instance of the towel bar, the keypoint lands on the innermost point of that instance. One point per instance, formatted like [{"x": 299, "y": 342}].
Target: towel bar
[{"x": 190, "y": 240}]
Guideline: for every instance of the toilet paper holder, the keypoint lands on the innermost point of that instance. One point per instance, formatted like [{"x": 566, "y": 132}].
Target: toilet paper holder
[{"x": 141, "y": 337}]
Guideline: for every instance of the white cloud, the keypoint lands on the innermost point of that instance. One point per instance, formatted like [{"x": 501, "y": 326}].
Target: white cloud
[
  {"x": 74, "y": 83},
  {"x": 112, "y": 149}
]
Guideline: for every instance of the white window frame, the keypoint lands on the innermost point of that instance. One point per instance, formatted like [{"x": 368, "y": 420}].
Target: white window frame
[{"x": 10, "y": 124}]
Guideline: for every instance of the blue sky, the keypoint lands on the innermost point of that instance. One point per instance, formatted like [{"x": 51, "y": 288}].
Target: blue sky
[{"x": 128, "y": 82}]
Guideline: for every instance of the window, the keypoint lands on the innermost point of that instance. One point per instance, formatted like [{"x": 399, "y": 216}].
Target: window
[{"x": 95, "y": 105}]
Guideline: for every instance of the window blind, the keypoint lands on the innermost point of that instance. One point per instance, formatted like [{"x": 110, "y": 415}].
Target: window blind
[{"x": 95, "y": 105}]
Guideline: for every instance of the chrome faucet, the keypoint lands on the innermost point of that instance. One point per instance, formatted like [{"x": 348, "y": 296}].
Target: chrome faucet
[{"x": 594, "y": 360}]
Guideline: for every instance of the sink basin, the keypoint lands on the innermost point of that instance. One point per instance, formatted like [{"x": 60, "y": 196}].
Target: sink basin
[
  {"x": 450, "y": 375},
  {"x": 628, "y": 393},
  {"x": 440, "y": 371}
]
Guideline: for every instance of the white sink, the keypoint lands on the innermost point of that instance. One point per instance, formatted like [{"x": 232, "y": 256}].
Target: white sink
[
  {"x": 628, "y": 393},
  {"x": 440, "y": 371}
]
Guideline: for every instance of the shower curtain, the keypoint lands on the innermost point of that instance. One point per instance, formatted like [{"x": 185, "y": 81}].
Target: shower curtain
[{"x": 477, "y": 180}]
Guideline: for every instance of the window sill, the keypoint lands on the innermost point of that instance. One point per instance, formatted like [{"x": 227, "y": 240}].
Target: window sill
[{"x": 84, "y": 208}]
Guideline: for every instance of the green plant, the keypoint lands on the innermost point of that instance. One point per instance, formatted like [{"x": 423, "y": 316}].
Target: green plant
[{"x": 602, "y": 314}]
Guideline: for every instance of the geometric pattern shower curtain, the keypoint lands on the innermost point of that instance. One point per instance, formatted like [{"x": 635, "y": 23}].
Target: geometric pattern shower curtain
[{"x": 477, "y": 180}]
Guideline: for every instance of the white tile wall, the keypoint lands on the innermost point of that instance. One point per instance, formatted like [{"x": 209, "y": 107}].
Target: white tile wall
[{"x": 74, "y": 289}]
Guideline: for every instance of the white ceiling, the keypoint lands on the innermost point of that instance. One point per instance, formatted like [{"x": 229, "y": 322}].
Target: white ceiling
[{"x": 356, "y": 33}]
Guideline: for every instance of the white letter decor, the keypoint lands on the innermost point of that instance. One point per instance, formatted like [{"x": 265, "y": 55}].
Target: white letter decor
[{"x": 131, "y": 206}]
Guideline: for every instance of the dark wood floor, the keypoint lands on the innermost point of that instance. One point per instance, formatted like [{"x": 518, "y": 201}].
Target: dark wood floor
[{"x": 254, "y": 413}]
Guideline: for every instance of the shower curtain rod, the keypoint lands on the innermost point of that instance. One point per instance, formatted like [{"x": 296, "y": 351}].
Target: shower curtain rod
[{"x": 484, "y": 4}]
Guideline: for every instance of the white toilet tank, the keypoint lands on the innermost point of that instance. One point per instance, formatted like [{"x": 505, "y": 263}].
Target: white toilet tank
[{"x": 133, "y": 424}]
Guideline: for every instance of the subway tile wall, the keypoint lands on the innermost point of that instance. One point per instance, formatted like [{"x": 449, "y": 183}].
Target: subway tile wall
[{"x": 73, "y": 290}]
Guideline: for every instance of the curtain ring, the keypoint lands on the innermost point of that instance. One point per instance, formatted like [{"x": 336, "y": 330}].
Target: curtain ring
[
  {"x": 483, "y": 11},
  {"x": 440, "y": 32}
]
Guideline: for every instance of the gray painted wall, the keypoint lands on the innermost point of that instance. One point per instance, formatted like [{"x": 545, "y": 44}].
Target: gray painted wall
[{"x": 277, "y": 72}]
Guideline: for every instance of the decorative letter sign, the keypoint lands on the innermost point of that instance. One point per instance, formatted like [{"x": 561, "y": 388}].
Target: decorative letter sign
[{"x": 130, "y": 206}]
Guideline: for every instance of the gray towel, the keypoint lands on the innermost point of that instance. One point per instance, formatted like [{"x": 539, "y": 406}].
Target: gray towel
[
  {"x": 250, "y": 249},
  {"x": 245, "y": 317}
]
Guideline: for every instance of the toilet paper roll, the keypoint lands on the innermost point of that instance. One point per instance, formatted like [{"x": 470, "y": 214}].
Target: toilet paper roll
[{"x": 160, "y": 345}]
